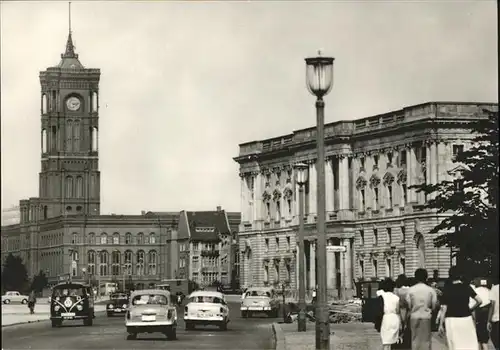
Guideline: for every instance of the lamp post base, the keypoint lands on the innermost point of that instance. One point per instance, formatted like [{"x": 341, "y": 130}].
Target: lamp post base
[
  {"x": 322, "y": 327},
  {"x": 301, "y": 320}
]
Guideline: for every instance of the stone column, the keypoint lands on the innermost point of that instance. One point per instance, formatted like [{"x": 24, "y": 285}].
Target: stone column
[
  {"x": 348, "y": 264},
  {"x": 342, "y": 272},
  {"x": 330, "y": 268},
  {"x": 442, "y": 163},
  {"x": 329, "y": 186},
  {"x": 312, "y": 262},
  {"x": 244, "y": 199},
  {"x": 432, "y": 165},
  {"x": 313, "y": 181},
  {"x": 257, "y": 200},
  {"x": 344, "y": 183},
  {"x": 411, "y": 173}
]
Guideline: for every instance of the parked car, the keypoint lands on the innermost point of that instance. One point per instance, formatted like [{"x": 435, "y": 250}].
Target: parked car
[
  {"x": 118, "y": 304},
  {"x": 151, "y": 311},
  {"x": 72, "y": 301},
  {"x": 14, "y": 297},
  {"x": 260, "y": 299},
  {"x": 206, "y": 308}
]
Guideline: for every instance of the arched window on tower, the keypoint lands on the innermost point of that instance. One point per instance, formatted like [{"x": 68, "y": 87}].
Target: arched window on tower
[
  {"x": 115, "y": 263},
  {"x": 79, "y": 187},
  {"x": 45, "y": 209},
  {"x": 76, "y": 135},
  {"x": 53, "y": 139},
  {"x": 94, "y": 139},
  {"x": 69, "y": 187},
  {"x": 44, "y": 141},
  {"x": 44, "y": 104},
  {"x": 95, "y": 101},
  {"x": 69, "y": 136}
]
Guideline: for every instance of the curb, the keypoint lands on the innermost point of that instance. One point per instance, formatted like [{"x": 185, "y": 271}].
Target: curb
[
  {"x": 37, "y": 321},
  {"x": 279, "y": 337}
]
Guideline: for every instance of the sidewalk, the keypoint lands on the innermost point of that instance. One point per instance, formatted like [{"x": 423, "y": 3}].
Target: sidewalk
[
  {"x": 19, "y": 314},
  {"x": 346, "y": 336}
]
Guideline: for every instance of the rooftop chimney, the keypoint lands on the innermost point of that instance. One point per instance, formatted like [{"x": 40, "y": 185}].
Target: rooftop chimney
[
  {"x": 143, "y": 212},
  {"x": 219, "y": 208}
]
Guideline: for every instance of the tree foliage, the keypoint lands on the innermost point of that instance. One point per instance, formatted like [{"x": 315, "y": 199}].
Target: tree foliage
[
  {"x": 14, "y": 274},
  {"x": 471, "y": 200},
  {"x": 39, "y": 282}
]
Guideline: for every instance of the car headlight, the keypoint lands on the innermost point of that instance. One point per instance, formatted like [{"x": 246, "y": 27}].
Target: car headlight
[
  {"x": 124, "y": 306},
  {"x": 110, "y": 306},
  {"x": 56, "y": 308},
  {"x": 79, "y": 307},
  {"x": 57, "y": 298}
]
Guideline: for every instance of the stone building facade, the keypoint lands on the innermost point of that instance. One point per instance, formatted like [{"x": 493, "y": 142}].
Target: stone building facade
[
  {"x": 376, "y": 225},
  {"x": 61, "y": 232}
]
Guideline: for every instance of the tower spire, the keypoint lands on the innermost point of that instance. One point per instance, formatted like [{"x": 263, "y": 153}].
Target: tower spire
[{"x": 70, "y": 48}]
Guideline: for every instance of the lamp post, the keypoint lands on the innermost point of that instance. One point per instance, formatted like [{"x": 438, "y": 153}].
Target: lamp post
[
  {"x": 319, "y": 78},
  {"x": 301, "y": 178}
]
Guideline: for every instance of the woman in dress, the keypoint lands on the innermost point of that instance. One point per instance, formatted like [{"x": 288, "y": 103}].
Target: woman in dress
[
  {"x": 456, "y": 315},
  {"x": 391, "y": 320},
  {"x": 401, "y": 290}
]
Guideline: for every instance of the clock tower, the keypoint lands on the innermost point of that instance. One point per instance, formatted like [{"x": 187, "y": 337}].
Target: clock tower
[{"x": 69, "y": 178}]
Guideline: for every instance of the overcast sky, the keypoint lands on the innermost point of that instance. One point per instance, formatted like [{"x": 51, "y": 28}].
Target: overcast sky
[{"x": 182, "y": 84}]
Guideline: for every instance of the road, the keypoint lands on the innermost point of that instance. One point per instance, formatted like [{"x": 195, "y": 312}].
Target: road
[{"x": 109, "y": 333}]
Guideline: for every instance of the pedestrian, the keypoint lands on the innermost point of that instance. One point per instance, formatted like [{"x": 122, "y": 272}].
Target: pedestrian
[
  {"x": 421, "y": 300},
  {"x": 456, "y": 316},
  {"x": 401, "y": 290},
  {"x": 482, "y": 312},
  {"x": 493, "y": 316},
  {"x": 390, "y": 325},
  {"x": 32, "y": 301}
]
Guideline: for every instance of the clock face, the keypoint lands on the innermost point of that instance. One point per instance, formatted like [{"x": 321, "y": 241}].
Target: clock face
[{"x": 73, "y": 103}]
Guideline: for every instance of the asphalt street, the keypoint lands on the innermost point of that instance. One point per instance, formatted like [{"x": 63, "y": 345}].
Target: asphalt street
[{"x": 109, "y": 333}]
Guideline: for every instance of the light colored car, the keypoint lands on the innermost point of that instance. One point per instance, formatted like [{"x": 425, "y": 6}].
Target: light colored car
[
  {"x": 14, "y": 297},
  {"x": 151, "y": 311},
  {"x": 260, "y": 299},
  {"x": 206, "y": 308}
]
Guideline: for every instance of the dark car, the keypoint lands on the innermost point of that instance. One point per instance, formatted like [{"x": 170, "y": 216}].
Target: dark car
[
  {"x": 118, "y": 304},
  {"x": 72, "y": 301}
]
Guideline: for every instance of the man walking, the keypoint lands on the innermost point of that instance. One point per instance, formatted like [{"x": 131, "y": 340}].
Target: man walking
[{"x": 421, "y": 300}]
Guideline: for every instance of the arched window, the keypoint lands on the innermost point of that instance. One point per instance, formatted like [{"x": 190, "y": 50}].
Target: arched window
[
  {"x": 95, "y": 101},
  {"x": 116, "y": 262},
  {"x": 128, "y": 238},
  {"x": 104, "y": 238},
  {"x": 140, "y": 262},
  {"x": 128, "y": 262},
  {"x": 74, "y": 238},
  {"x": 140, "y": 238},
  {"x": 103, "y": 263},
  {"x": 91, "y": 262},
  {"x": 152, "y": 238},
  {"x": 44, "y": 141},
  {"x": 74, "y": 255},
  {"x": 76, "y": 135},
  {"x": 152, "y": 262},
  {"x": 69, "y": 187},
  {"x": 91, "y": 238},
  {"x": 69, "y": 136},
  {"x": 79, "y": 187},
  {"x": 44, "y": 103},
  {"x": 116, "y": 238},
  {"x": 94, "y": 139}
]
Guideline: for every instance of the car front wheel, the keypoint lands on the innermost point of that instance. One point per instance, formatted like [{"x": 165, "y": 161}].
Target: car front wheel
[
  {"x": 24, "y": 301},
  {"x": 6, "y": 301},
  {"x": 171, "y": 333}
]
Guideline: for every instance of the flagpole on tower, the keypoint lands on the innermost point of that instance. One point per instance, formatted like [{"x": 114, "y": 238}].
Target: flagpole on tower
[{"x": 69, "y": 16}]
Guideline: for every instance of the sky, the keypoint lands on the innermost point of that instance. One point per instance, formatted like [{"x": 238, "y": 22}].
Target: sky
[{"x": 184, "y": 83}]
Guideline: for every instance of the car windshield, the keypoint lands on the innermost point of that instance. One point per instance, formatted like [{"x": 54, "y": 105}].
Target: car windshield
[
  {"x": 118, "y": 296},
  {"x": 258, "y": 293},
  {"x": 68, "y": 292},
  {"x": 206, "y": 299},
  {"x": 150, "y": 299}
]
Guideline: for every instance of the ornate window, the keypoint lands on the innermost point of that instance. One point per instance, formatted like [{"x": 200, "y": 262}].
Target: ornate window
[
  {"x": 91, "y": 262},
  {"x": 94, "y": 139},
  {"x": 360, "y": 186},
  {"x": 74, "y": 255},
  {"x": 128, "y": 262},
  {"x": 388, "y": 181},
  {"x": 115, "y": 263},
  {"x": 266, "y": 273},
  {"x": 362, "y": 269},
  {"x": 91, "y": 238},
  {"x": 128, "y": 238},
  {"x": 375, "y": 268},
  {"x": 104, "y": 238},
  {"x": 152, "y": 238},
  {"x": 69, "y": 186},
  {"x": 152, "y": 262},
  {"x": 74, "y": 238},
  {"x": 103, "y": 263},
  {"x": 140, "y": 262},
  {"x": 116, "y": 238},
  {"x": 79, "y": 187},
  {"x": 402, "y": 177},
  {"x": 140, "y": 238}
]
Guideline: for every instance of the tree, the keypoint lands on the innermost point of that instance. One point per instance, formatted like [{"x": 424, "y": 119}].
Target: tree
[
  {"x": 129, "y": 283},
  {"x": 14, "y": 274},
  {"x": 39, "y": 282},
  {"x": 471, "y": 199}
]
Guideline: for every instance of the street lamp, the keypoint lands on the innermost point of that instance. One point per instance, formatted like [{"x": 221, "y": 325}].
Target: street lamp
[
  {"x": 301, "y": 170},
  {"x": 319, "y": 78}
]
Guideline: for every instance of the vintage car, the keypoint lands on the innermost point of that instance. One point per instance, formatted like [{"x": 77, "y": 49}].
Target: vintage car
[
  {"x": 14, "y": 297},
  {"x": 260, "y": 299},
  {"x": 151, "y": 311},
  {"x": 118, "y": 304},
  {"x": 206, "y": 308},
  {"x": 72, "y": 301}
]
